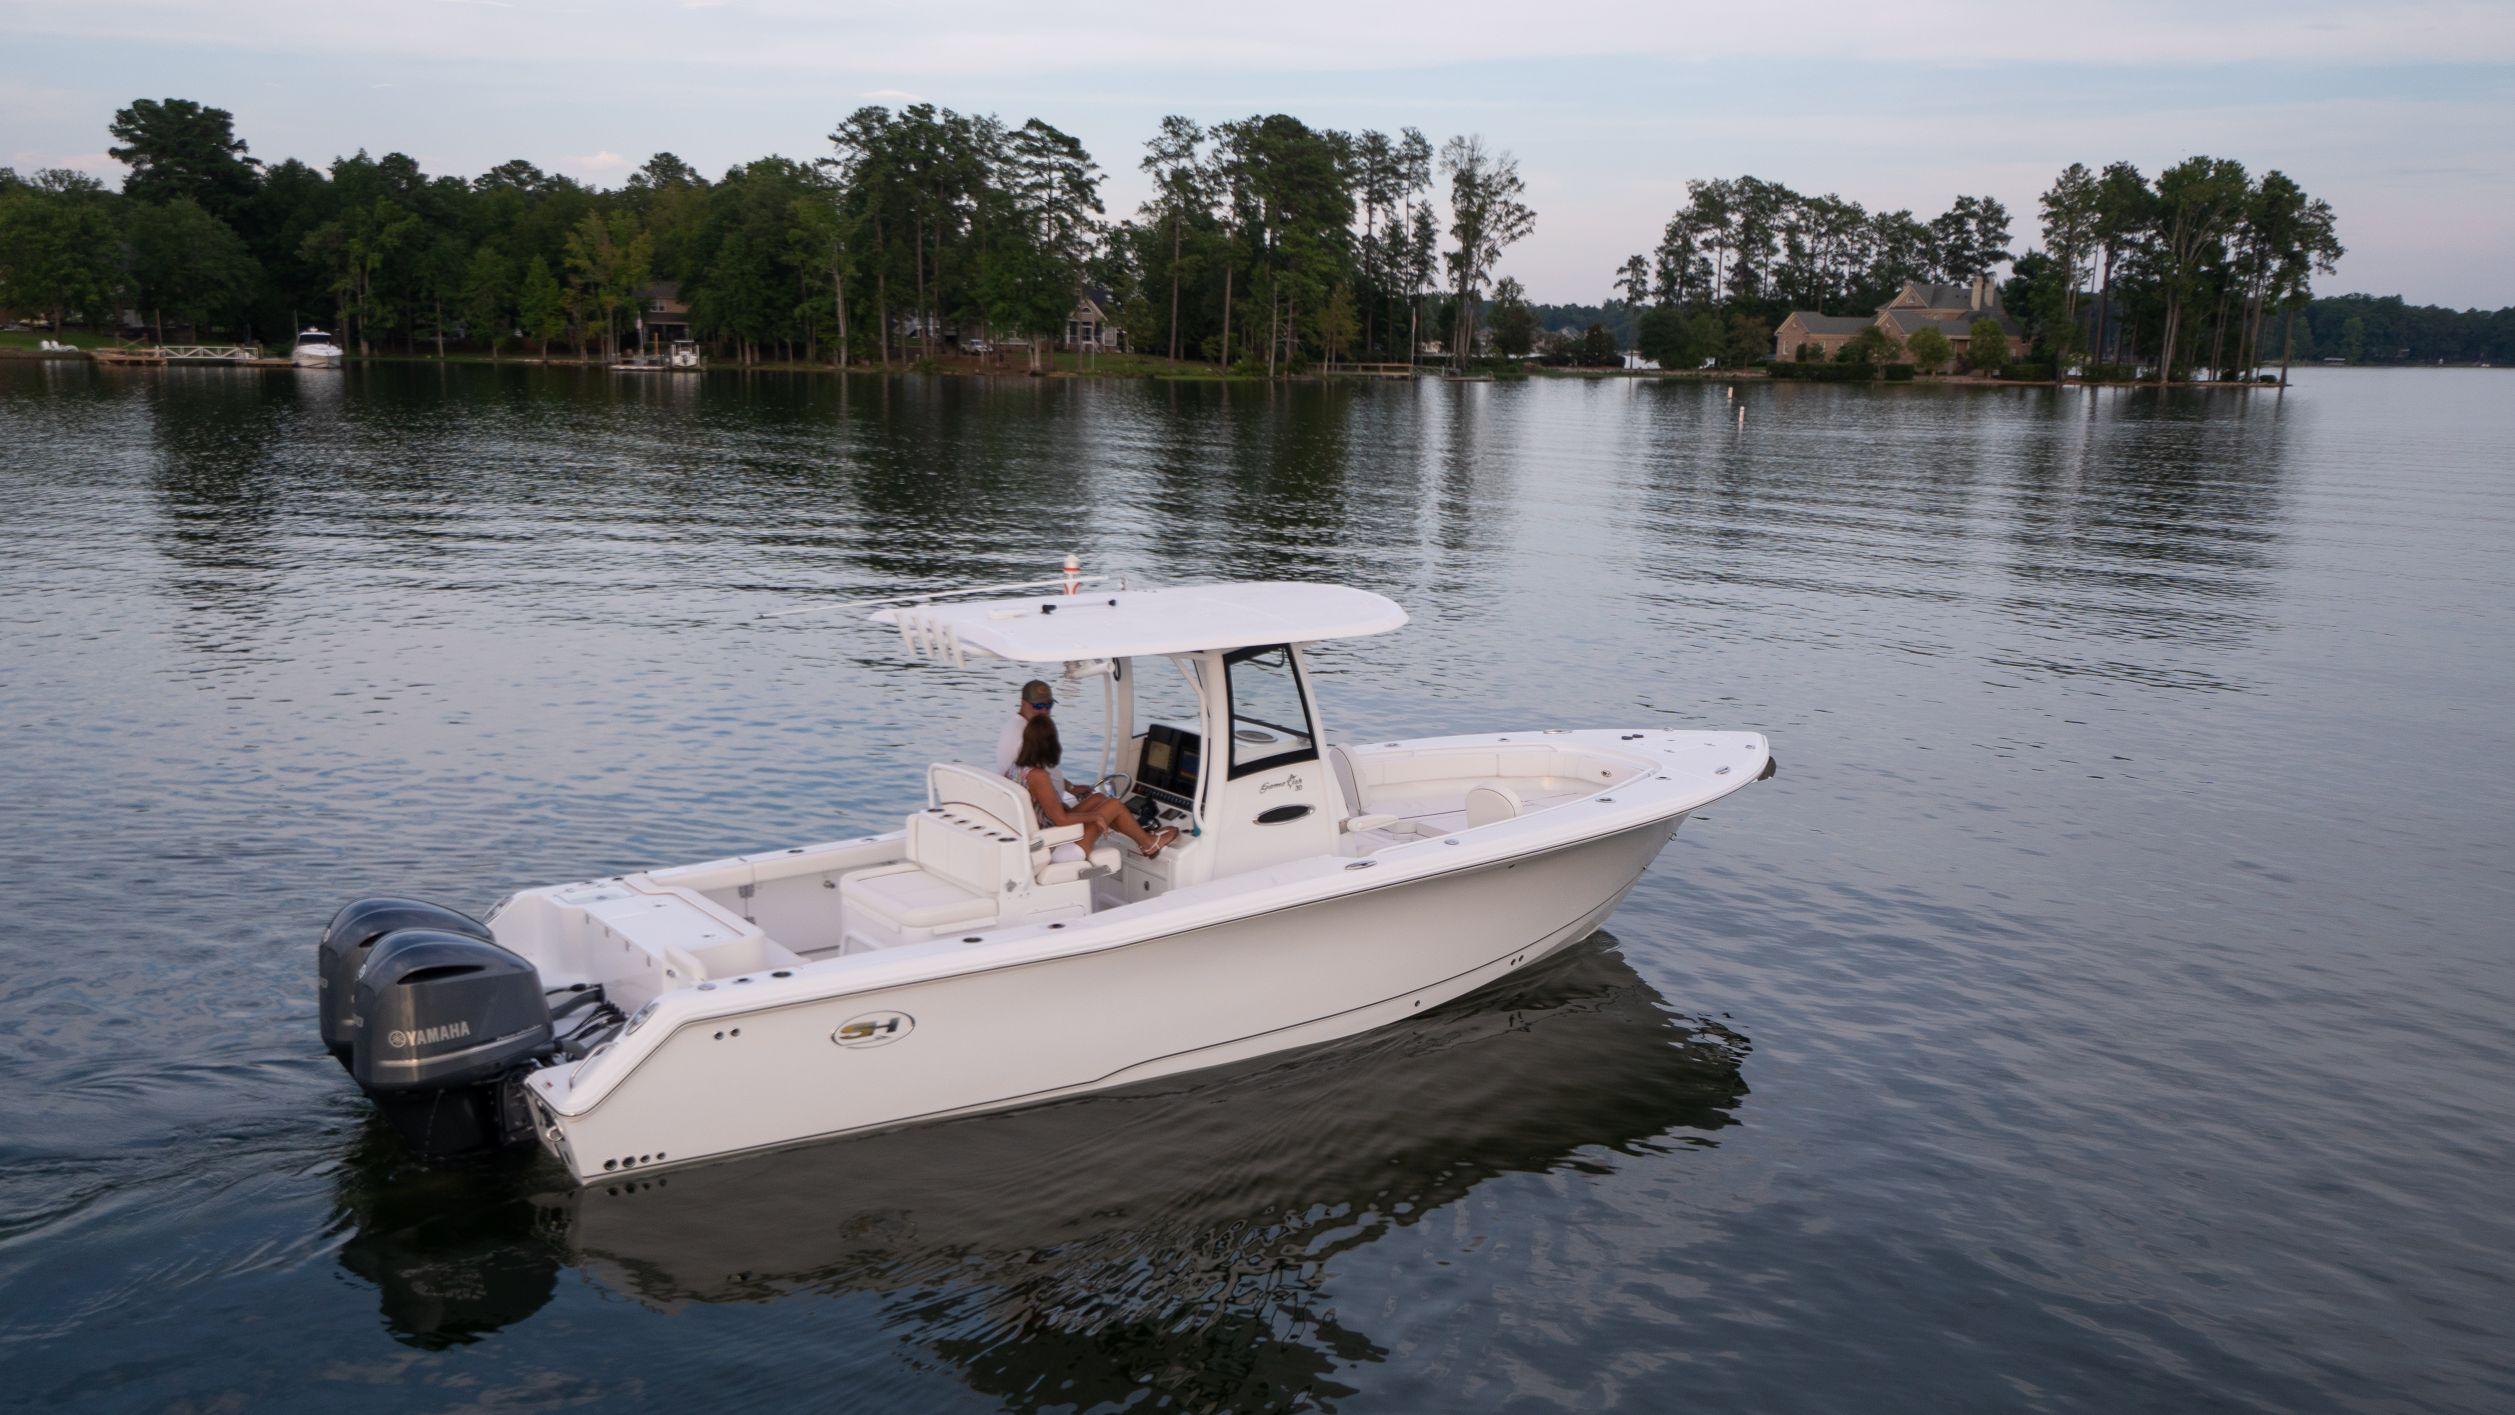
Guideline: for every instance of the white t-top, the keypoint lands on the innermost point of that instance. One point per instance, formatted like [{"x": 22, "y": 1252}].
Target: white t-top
[{"x": 1123, "y": 623}]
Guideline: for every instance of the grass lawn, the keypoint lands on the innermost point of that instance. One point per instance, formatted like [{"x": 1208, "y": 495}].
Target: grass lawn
[
  {"x": 34, "y": 338},
  {"x": 1106, "y": 365}
]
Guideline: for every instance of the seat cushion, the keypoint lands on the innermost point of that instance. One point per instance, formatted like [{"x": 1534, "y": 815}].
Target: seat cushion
[
  {"x": 1067, "y": 864},
  {"x": 913, "y": 899}
]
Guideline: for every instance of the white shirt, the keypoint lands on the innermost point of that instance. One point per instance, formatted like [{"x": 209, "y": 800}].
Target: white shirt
[{"x": 1009, "y": 744}]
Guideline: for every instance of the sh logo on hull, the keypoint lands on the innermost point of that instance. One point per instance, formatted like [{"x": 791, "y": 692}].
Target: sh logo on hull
[{"x": 874, "y": 1029}]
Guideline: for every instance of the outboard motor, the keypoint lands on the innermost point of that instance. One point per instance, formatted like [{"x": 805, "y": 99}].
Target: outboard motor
[
  {"x": 444, "y": 1021},
  {"x": 346, "y": 943}
]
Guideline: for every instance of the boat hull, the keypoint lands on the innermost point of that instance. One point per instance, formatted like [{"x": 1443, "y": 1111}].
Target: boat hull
[{"x": 1044, "y": 1030}]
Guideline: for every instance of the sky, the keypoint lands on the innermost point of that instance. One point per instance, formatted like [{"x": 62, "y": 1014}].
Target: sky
[{"x": 2401, "y": 115}]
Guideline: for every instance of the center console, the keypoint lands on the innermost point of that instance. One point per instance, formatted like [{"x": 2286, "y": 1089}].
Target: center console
[{"x": 1166, "y": 776}]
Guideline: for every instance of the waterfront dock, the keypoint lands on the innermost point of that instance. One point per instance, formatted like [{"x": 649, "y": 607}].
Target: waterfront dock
[{"x": 159, "y": 355}]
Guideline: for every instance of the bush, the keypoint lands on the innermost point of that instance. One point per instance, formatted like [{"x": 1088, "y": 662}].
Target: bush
[
  {"x": 2108, "y": 373},
  {"x": 1930, "y": 349},
  {"x": 1672, "y": 340},
  {"x": 1870, "y": 346},
  {"x": 1986, "y": 344},
  {"x": 1899, "y": 373},
  {"x": 2028, "y": 370},
  {"x": 1829, "y": 373}
]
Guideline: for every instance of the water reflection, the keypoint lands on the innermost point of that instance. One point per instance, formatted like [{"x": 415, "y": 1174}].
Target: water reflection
[
  {"x": 2163, "y": 527},
  {"x": 222, "y": 495},
  {"x": 1176, "y": 1236},
  {"x": 2078, "y": 519}
]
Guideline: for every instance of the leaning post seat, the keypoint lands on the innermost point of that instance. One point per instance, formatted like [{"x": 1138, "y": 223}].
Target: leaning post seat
[{"x": 975, "y": 858}]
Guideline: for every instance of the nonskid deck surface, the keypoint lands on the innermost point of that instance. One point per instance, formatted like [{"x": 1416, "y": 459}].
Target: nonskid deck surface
[{"x": 701, "y": 947}]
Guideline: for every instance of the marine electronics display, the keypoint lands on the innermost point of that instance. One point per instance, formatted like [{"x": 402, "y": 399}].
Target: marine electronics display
[{"x": 1172, "y": 758}]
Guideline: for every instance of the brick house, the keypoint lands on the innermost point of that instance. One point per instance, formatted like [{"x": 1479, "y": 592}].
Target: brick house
[
  {"x": 1950, "y": 309},
  {"x": 1827, "y": 332}
]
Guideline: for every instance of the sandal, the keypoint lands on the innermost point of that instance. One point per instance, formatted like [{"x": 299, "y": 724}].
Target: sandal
[{"x": 1161, "y": 838}]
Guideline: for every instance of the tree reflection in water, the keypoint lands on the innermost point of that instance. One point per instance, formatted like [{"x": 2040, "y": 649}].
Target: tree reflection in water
[{"x": 1173, "y": 1237}]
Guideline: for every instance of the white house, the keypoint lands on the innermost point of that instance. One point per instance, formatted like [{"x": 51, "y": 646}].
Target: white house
[{"x": 1094, "y": 323}]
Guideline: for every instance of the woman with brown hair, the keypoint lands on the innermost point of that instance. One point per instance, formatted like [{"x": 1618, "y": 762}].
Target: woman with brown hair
[{"x": 1035, "y": 771}]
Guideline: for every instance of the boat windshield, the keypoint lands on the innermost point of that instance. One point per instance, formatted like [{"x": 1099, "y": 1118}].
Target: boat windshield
[{"x": 1270, "y": 725}]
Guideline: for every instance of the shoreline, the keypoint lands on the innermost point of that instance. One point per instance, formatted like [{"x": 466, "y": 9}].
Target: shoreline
[{"x": 1139, "y": 367}]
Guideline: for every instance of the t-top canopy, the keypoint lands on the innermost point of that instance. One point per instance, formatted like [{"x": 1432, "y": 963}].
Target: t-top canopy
[{"x": 1124, "y": 623}]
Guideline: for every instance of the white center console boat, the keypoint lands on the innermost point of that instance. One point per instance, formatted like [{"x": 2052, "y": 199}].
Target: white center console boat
[{"x": 972, "y": 959}]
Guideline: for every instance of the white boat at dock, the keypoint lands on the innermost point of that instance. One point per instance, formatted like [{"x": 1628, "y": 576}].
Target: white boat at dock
[
  {"x": 315, "y": 349},
  {"x": 682, "y": 357},
  {"x": 972, "y": 959}
]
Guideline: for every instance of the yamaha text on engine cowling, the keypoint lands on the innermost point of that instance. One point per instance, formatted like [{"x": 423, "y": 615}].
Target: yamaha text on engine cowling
[{"x": 437, "y": 1022}]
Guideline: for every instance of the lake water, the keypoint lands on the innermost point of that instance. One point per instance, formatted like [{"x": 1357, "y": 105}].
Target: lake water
[{"x": 2107, "y": 1007}]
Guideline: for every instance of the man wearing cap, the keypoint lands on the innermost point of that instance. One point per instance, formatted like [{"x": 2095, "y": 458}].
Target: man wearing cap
[{"x": 1036, "y": 701}]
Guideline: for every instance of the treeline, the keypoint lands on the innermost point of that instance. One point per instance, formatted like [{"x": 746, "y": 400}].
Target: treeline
[
  {"x": 2375, "y": 329},
  {"x": 2185, "y": 270},
  {"x": 1754, "y": 244},
  {"x": 1268, "y": 244}
]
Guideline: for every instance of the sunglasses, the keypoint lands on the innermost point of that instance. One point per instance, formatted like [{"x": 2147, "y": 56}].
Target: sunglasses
[{"x": 1042, "y": 707}]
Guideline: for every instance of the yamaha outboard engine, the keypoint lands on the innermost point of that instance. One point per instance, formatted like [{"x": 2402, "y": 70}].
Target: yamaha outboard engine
[
  {"x": 346, "y": 942},
  {"x": 444, "y": 1022}
]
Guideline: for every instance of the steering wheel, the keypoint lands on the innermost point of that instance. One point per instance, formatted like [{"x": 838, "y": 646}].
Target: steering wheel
[{"x": 1099, "y": 787}]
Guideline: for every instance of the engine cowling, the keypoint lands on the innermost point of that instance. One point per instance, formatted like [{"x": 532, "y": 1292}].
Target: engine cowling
[
  {"x": 444, "y": 1022},
  {"x": 347, "y": 942}
]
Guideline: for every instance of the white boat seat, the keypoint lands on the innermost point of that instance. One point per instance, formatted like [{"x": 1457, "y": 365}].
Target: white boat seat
[
  {"x": 1489, "y": 802},
  {"x": 975, "y": 858},
  {"x": 914, "y": 898},
  {"x": 1067, "y": 863},
  {"x": 1340, "y": 764}
]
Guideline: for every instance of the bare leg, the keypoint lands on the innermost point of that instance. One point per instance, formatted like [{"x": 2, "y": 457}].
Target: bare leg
[{"x": 1119, "y": 819}]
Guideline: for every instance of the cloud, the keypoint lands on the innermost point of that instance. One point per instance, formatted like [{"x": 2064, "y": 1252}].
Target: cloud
[
  {"x": 890, "y": 95},
  {"x": 603, "y": 161},
  {"x": 94, "y": 164}
]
